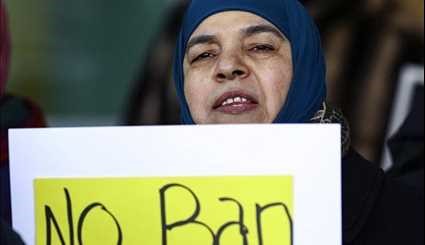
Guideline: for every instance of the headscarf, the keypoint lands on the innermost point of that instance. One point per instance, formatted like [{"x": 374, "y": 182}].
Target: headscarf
[
  {"x": 4, "y": 48},
  {"x": 308, "y": 88}
]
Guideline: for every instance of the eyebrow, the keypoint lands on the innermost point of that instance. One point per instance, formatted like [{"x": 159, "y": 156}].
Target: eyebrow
[
  {"x": 263, "y": 28},
  {"x": 201, "y": 39},
  {"x": 249, "y": 31}
]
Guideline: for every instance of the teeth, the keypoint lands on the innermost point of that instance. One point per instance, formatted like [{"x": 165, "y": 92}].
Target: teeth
[{"x": 234, "y": 100}]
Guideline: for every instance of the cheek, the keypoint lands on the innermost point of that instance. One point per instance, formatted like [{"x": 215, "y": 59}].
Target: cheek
[
  {"x": 278, "y": 78},
  {"x": 196, "y": 93},
  {"x": 192, "y": 91},
  {"x": 283, "y": 82}
]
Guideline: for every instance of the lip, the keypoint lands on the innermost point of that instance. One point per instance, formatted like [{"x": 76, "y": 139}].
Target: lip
[{"x": 237, "y": 107}]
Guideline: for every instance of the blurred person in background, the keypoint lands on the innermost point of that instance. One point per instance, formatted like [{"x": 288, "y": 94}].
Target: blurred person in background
[
  {"x": 15, "y": 112},
  {"x": 268, "y": 67},
  {"x": 407, "y": 145},
  {"x": 152, "y": 98},
  {"x": 368, "y": 44},
  {"x": 383, "y": 39}
]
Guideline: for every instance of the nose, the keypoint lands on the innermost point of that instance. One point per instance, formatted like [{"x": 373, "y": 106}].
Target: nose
[{"x": 231, "y": 67}]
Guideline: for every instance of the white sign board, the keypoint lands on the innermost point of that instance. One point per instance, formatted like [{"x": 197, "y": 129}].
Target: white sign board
[{"x": 310, "y": 155}]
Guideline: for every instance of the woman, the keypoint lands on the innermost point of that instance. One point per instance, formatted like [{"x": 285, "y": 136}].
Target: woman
[{"x": 245, "y": 61}]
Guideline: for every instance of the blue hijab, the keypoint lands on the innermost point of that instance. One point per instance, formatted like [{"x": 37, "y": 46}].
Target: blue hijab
[{"x": 308, "y": 88}]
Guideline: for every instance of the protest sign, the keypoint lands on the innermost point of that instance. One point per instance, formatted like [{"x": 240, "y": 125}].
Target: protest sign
[{"x": 218, "y": 185}]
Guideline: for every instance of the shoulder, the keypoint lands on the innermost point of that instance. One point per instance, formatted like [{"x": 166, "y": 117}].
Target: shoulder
[{"x": 378, "y": 209}]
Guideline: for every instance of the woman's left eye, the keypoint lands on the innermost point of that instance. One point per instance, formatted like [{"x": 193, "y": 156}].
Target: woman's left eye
[{"x": 262, "y": 48}]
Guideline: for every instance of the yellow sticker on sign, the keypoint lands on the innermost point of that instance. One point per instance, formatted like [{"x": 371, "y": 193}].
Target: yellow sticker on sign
[{"x": 165, "y": 211}]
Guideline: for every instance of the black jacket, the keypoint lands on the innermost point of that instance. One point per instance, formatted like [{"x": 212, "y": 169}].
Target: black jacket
[
  {"x": 8, "y": 236},
  {"x": 378, "y": 210}
]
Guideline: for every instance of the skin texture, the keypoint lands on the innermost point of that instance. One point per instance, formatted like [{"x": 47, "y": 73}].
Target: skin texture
[{"x": 249, "y": 57}]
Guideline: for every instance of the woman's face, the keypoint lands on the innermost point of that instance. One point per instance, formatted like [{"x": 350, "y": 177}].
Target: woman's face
[{"x": 237, "y": 69}]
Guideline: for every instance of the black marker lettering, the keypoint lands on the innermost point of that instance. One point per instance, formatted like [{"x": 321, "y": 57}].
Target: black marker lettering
[
  {"x": 83, "y": 216},
  {"x": 241, "y": 223},
  {"x": 191, "y": 220},
  {"x": 259, "y": 213},
  {"x": 50, "y": 218}
]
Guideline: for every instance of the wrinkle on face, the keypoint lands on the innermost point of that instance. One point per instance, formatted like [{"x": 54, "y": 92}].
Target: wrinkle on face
[{"x": 249, "y": 55}]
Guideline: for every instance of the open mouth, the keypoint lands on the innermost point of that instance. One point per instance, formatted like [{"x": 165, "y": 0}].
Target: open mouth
[{"x": 235, "y": 102}]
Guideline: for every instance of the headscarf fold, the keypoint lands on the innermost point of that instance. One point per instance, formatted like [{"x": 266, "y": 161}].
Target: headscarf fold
[
  {"x": 4, "y": 48},
  {"x": 308, "y": 88}
]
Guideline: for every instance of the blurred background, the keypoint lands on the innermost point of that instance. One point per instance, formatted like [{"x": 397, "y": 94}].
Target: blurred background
[{"x": 99, "y": 62}]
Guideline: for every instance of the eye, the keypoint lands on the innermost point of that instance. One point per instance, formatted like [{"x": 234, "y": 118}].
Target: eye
[
  {"x": 262, "y": 48},
  {"x": 203, "y": 56}
]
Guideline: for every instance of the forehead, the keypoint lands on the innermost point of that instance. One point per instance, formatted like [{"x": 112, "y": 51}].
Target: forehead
[{"x": 229, "y": 21}]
